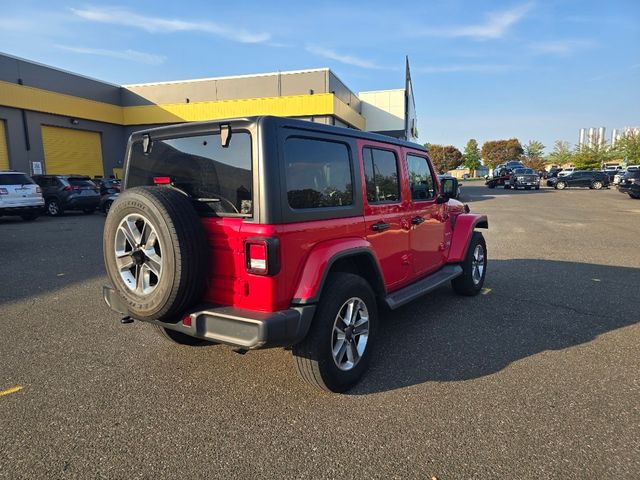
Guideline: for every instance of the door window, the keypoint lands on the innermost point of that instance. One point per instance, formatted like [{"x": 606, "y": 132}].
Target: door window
[
  {"x": 381, "y": 176},
  {"x": 420, "y": 178}
]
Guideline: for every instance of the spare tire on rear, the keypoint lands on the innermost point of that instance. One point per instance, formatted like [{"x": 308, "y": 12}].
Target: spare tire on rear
[{"x": 155, "y": 252}]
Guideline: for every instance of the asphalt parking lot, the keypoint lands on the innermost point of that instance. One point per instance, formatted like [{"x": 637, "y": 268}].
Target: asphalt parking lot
[{"x": 538, "y": 377}]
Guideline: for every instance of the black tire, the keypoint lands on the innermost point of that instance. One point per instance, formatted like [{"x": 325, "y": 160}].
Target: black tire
[
  {"x": 180, "y": 338},
  {"x": 106, "y": 207},
  {"x": 507, "y": 187},
  {"x": 538, "y": 187},
  {"x": 314, "y": 357},
  {"x": 634, "y": 196},
  {"x": 560, "y": 185},
  {"x": 181, "y": 246},
  {"x": 54, "y": 208},
  {"x": 89, "y": 211},
  {"x": 465, "y": 284},
  {"x": 597, "y": 185},
  {"x": 491, "y": 185},
  {"x": 29, "y": 217}
]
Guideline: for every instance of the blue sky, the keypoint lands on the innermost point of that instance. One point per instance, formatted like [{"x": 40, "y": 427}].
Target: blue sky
[{"x": 482, "y": 69}]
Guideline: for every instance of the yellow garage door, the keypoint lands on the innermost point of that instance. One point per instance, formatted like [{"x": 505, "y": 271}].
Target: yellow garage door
[
  {"x": 71, "y": 151},
  {"x": 4, "y": 152}
]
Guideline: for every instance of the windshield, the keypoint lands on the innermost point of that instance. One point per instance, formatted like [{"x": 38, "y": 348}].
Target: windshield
[
  {"x": 219, "y": 179},
  {"x": 15, "y": 179}
]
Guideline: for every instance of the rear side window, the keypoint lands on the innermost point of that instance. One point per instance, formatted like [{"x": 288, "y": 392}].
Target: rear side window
[
  {"x": 318, "y": 173},
  {"x": 15, "y": 179},
  {"x": 420, "y": 178},
  {"x": 219, "y": 179},
  {"x": 81, "y": 182},
  {"x": 381, "y": 175}
]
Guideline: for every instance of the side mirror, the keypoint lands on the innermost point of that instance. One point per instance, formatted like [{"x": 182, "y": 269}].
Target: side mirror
[{"x": 448, "y": 187}]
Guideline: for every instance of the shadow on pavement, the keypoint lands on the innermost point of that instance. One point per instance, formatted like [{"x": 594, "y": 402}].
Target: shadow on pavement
[
  {"x": 533, "y": 306},
  {"x": 48, "y": 254}
]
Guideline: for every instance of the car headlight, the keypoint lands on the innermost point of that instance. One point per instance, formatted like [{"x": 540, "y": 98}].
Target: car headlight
[{"x": 521, "y": 179}]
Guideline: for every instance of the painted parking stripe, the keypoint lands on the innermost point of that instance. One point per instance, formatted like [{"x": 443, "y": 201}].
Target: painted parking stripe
[{"x": 11, "y": 390}]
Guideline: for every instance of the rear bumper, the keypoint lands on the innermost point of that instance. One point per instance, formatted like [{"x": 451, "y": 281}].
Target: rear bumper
[
  {"x": 22, "y": 210},
  {"x": 247, "y": 329}
]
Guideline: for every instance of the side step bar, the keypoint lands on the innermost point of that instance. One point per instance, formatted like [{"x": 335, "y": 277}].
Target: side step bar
[{"x": 419, "y": 288}]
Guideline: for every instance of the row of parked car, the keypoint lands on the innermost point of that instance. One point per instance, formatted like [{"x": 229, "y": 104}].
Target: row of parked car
[{"x": 29, "y": 197}]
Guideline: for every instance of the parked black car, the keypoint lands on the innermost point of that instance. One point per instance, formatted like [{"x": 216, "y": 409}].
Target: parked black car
[
  {"x": 526, "y": 178},
  {"x": 107, "y": 186},
  {"x": 630, "y": 184},
  {"x": 106, "y": 201},
  {"x": 580, "y": 178},
  {"x": 68, "y": 192}
]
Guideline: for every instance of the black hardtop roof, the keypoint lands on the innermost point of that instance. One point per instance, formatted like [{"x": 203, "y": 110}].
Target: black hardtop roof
[{"x": 197, "y": 127}]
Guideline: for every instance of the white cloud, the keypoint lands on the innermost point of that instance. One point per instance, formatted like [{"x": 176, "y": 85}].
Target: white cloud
[
  {"x": 128, "y": 18},
  {"x": 131, "y": 55},
  {"x": 496, "y": 25},
  {"x": 343, "y": 58},
  {"x": 560, "y": 47}
]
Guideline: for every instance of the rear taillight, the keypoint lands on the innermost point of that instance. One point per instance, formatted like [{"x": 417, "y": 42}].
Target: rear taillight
[
  {"x": 4, "y": 191},
  {"x": 186, "y": 321},
  {"x": 261, "y": 256},
  {"x": 69, "y": 188},
  {"x": 161, "y": 180}
]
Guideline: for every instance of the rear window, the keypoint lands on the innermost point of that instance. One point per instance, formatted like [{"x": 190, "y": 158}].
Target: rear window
[
  {"x": 15, "y": 179},
  {"x": 219, "y": 179},
  {"x": 318, "y": 173},
  {"x": 81, "y": 182}
]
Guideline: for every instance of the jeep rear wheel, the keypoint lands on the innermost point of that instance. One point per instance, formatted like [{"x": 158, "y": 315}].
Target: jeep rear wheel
[
  {"x": 474, "y": 268},
  {"x": 337, "y": 349},
  {"x": 155, "y": 252}
]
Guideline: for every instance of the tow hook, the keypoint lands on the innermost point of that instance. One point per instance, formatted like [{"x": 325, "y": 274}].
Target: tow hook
[{"x": 125, "y": 320}]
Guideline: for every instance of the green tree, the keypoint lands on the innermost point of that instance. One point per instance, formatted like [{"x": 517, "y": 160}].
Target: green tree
[
  {"x": 561, "y": 154},
  {"x": 533, "y": 155},
  {"x": 472, "y": 155},
  {"x": 444, "y": 157},
  {"x": 495, "y": 152},
  {"x": 628, "y": 147},
  {"x": 592, "y": 157}
]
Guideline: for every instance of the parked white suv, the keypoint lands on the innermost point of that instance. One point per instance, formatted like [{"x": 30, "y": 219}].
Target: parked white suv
[{"x": 19, "y": 195}]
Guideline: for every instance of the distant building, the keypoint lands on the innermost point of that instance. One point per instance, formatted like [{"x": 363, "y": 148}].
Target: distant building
[
  {"x": 58, "y": 122},
  {"x": 596, "y": 136}
]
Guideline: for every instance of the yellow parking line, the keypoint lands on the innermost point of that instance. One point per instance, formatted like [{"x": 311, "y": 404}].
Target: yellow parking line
[
  {"x": 11, "y": 390},
  {"x": 485, "y": 291}
]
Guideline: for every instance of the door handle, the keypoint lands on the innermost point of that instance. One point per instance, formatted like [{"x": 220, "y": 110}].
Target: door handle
[
  {"x": 380, "y": 226},
  {"x": 417, "y": 220}
]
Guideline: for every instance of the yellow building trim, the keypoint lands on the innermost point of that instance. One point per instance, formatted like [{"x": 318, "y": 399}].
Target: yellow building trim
[
  {"x": 39, "y": 100},
  {"x": 288, "y": 106},
  {"x": 347, "y": 114}
]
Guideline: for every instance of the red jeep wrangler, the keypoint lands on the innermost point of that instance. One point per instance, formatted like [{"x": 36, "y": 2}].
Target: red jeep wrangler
[{"x": 262, "y": 232}]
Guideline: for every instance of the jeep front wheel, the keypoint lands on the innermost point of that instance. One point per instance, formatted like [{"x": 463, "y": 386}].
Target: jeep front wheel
[
  {"x": 337, "y": 349},
  {"x": 474, "y": 268}
]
